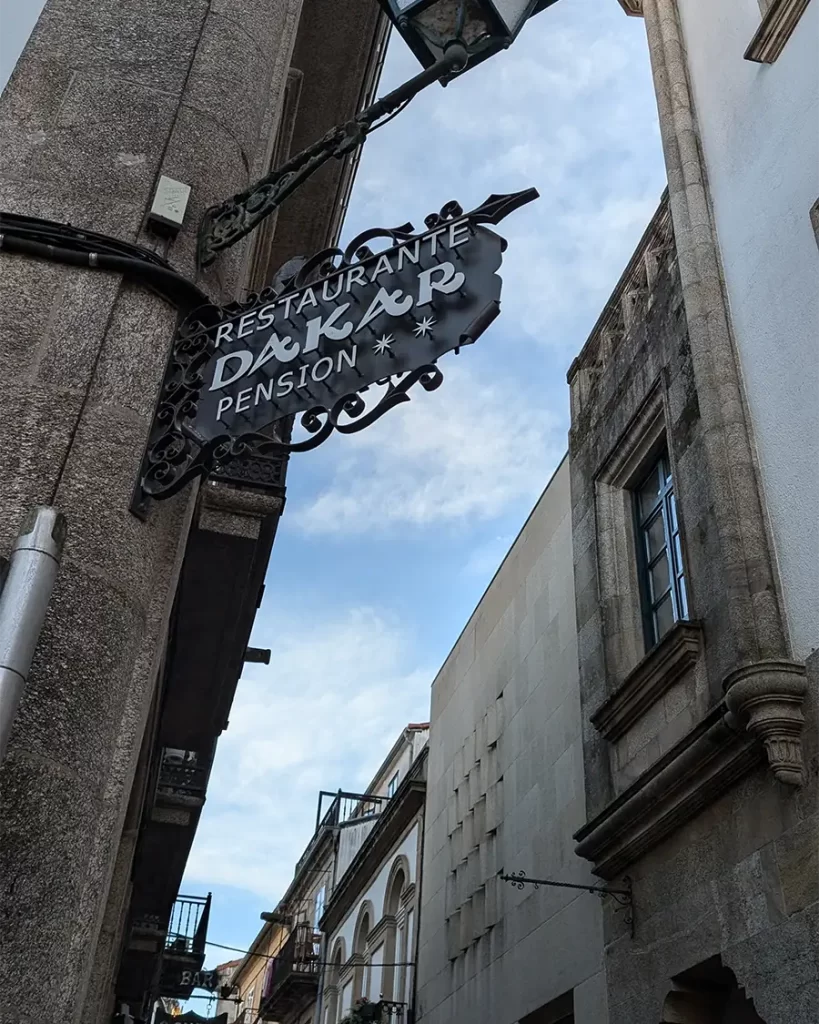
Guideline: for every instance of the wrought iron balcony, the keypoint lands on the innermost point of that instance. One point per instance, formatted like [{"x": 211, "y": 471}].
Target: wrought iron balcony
[
  {"x": 183, "y": 778},
  {"x": 292, "y": 976},
  {"x": 188, "y": 927},
  {"x": 386, "y": 1011},
  {"x": 185, "y": 946},
  {"x": 344, "y": 809}
]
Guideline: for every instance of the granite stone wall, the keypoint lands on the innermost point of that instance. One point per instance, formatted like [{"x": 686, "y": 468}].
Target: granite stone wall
[
  {"x": 107, "y": 96},
  {"x": 700, "y": 749}
]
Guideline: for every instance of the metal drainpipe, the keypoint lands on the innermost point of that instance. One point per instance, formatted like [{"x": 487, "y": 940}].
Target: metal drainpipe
[{"x": 33, "y": 566}]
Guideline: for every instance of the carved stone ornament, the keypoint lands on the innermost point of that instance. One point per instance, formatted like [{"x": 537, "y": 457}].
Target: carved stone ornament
[
  {"x": 767, "y": 699},
  {"x": 326, "y": 330}
]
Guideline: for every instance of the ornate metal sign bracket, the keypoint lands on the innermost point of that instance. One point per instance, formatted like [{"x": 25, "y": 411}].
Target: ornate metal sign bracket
[
  {"x": 622, "y": 897},
  {"x": 325, "y": 332}
]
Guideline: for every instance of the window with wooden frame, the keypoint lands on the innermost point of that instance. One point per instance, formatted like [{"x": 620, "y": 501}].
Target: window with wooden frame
[{"x": 659, "y": 552}]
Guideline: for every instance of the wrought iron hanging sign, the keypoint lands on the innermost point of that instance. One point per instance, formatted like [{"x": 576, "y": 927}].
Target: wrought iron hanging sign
[{"x": 323, "y": 333}]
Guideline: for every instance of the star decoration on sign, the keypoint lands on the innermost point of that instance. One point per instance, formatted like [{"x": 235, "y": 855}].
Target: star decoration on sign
[
  {"x": 424, "y": 327},
  {"x": 383, "y": 344}
]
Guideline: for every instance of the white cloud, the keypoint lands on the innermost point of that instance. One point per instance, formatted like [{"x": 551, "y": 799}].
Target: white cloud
[
  {"x": 570, "y": 110},
  {"x": 323, "y": 715},
  {"x": 464, "y": 452}
]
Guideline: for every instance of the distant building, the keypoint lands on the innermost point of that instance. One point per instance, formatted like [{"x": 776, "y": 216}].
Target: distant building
[
  {"x": 288, "y": 976},
  {"x": 226, "y": 975},
  {"x": 371, "y": 919},
  {"x": 505, "y": 792}
]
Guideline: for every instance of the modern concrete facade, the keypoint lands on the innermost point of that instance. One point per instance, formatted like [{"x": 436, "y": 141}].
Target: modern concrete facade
[
  {"x": 106, "y": 97},
  {"x": 505, "y": 792}
]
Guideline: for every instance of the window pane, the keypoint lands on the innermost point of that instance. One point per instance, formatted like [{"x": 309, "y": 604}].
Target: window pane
[
  {"x": 672, "y": 507},
  {"x": 678, "y": 562},
  {"x": 664, "y": 616},
  {"x": 660, "y": 578},
  {"x": 655, "y": 537},
  {"x": 650, "y": 493},
  {"x": 683, "y": 598}
]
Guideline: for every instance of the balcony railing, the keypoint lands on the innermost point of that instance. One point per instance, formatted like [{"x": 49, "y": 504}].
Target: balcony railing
[
  {"x": 183, "y": 777},
  {"x": 347, "y": 807},
  {"x": 188, "y": 927},
  {"x": 296, "y": 966},
  {"x": 344, "y": 809}
]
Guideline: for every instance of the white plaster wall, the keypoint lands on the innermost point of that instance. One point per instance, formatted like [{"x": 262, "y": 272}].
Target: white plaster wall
[
  {"x": 377, "y": 889},
  {"x": 505, "y": 789},
  {"x": 403, "y": 760},
  {"x": 350, "y": 840},
  {"x": 760, "y": 136}
]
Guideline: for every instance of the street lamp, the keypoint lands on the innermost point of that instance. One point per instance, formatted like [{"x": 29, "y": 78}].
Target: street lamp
[
  {"x": 482, "y": 27},
  {"x": 447, "y": 36}
]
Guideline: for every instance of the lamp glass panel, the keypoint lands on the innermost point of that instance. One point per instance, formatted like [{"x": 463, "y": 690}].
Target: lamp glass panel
[
  {"x": 440, "y": 21},
  {"x": 403, "y": 5},
  {"x": 513, "y": 13}
]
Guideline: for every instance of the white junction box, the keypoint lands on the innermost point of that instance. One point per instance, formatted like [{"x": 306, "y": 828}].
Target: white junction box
[{"x": 170, "y": 203}]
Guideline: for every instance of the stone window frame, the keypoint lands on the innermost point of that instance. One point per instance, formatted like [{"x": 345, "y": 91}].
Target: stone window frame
[
  {"x": 779, "y": 19},
  {"x": 619, "y": 582}
]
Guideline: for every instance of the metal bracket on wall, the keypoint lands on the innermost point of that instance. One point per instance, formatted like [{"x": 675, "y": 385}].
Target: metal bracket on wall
[{"x": 622, "y": 897}]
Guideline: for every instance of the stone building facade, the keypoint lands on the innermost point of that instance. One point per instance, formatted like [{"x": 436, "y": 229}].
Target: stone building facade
[
  {"x": 370, "y": 922},
  {"x": 738, "y": 96},
  {"x": 345, "y": 929},
  {"x": 107, "y": 97},
  {"x": 699, "y": 724},
  {"x": 505, "y": 793}
]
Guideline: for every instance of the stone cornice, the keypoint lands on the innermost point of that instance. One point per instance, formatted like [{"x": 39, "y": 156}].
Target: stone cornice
[
  {"x": 775, "y": 30},
  {"x": 690, "y": 776},
  {"x": 632, "y": 7},
  {"x": 651, "y": 678}
]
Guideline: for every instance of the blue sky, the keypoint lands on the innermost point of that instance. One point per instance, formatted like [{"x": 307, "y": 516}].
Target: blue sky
[{"x": 389, "y": 537}]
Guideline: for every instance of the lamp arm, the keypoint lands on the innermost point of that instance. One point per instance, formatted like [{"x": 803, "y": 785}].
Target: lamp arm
[{"x": 225, "y": 224}]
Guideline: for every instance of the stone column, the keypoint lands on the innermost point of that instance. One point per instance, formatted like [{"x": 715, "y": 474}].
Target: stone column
[
  {"x": 751, "y": 597},
  {"x": 108, "y": 95}
]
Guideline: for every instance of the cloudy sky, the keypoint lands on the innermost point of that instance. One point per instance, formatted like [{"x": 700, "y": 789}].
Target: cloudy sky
[{"x": 390, "y": 537}]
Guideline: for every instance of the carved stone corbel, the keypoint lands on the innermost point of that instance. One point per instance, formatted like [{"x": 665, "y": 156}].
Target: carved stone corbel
[{"x": 767, "y": 699}]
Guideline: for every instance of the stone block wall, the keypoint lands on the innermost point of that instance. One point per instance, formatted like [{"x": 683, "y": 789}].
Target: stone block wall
[
  {"x": 107, "y": 96},
  {"x": 701, "y": 778},
  {"x": 505, "y": 791}
]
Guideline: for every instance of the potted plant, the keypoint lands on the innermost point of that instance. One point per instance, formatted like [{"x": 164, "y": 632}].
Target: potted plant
[{"x": 364, "y": 1012}]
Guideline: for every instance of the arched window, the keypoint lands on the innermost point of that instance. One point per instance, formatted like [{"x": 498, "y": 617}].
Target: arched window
[
  {"x": 333, "y": 982},
  {"x": 362, "y": 930},
  {"x": 397, "y": 886},
  {"x": 393, "y": 976}
]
